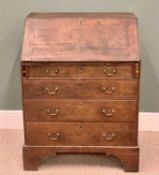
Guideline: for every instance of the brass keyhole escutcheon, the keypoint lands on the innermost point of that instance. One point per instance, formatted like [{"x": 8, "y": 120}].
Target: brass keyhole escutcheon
[
  {"x": 80, "y": 105},
  {"x": 81, "y": 126},
  {"x": 81, "y": 69},
  {"x": 80, "y": 21}
]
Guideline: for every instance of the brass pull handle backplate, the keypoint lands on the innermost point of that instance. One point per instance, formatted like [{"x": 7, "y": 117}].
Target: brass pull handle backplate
[
  {"x": 108, "y": 136},
  {"x": 52, "y": 73},
  {"x": 108, "y": 112},
  {"x": 54, "y": 136},
  {"x": 51, "y": 113},
  {"x": 51, "y": 92},
  {"x": 110, "y": 72},
  {"x": 106, "y": 90}
]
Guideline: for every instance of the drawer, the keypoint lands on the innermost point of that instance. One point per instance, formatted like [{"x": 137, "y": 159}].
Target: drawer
[
  {"x": 78, "y": 110},
  {"x": 84, "y": 134},
  {"x": 73, "y": 89},
  {"x": 79, "y": 70}
]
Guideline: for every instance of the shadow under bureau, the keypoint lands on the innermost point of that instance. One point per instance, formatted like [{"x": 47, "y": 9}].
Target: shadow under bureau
[{"x": 80, "y": 82}]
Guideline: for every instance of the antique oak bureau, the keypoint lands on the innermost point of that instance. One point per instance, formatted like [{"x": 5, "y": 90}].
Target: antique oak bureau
[{"x": 80, "y": 81}]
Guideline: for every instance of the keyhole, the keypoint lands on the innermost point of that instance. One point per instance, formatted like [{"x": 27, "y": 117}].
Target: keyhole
[
  {"x": 80, "y": 126},
  {"x": 81, "y": 69},
  {"x": 80, "y": 22},
  {"x": 80, "y": 105}
]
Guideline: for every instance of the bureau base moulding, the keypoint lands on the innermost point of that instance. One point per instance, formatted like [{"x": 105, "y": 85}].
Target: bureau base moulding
[
  {"x": 34, "y": 155},
  {"x": 13, "y": 119}
]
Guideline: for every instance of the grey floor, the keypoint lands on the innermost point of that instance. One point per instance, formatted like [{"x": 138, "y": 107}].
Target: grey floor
[{"x": 11, "y": 142}]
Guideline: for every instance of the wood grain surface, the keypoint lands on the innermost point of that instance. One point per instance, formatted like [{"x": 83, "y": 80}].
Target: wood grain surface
[
  {"x": 80, "y": 110},
  {"x": 80, "y": 134},
  {"x": 83, "y": 70},
  {"x": 81, "y": 37}
]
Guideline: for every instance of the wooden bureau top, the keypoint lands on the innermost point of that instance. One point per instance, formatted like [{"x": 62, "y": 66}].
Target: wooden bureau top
[{"x": 81, "y": 37}]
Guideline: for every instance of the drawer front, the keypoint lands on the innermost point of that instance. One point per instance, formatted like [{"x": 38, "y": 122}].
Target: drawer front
[
  {"x": 73, "y": 89},
  {"x": 84, "y": 134},
  {"x": 78, "y": 110},
  {"x": 80, "y": 70}
]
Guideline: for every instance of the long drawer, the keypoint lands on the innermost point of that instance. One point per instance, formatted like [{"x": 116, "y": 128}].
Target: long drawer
[
  {"x": 82, "y": 134},
  {"x": 80, "y": 110},
  {"x": 73, "y": 89},
  {"x": 79, "y": 70}
]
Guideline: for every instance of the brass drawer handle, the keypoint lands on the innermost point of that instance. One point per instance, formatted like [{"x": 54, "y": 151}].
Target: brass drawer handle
[
  {"x": 108, "y": 112},
  {"x": 52, "y": 114},
  {"x": 53, "y": 73},
  {"x": 109, "y": 136},
  {"x": 110, "y": 72},
  {"x": 51, "y": 92},
  {"x": 54, "y": 136},
  {"x": 106, "y": 90},
  {"x": 81, "y": 69}
]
